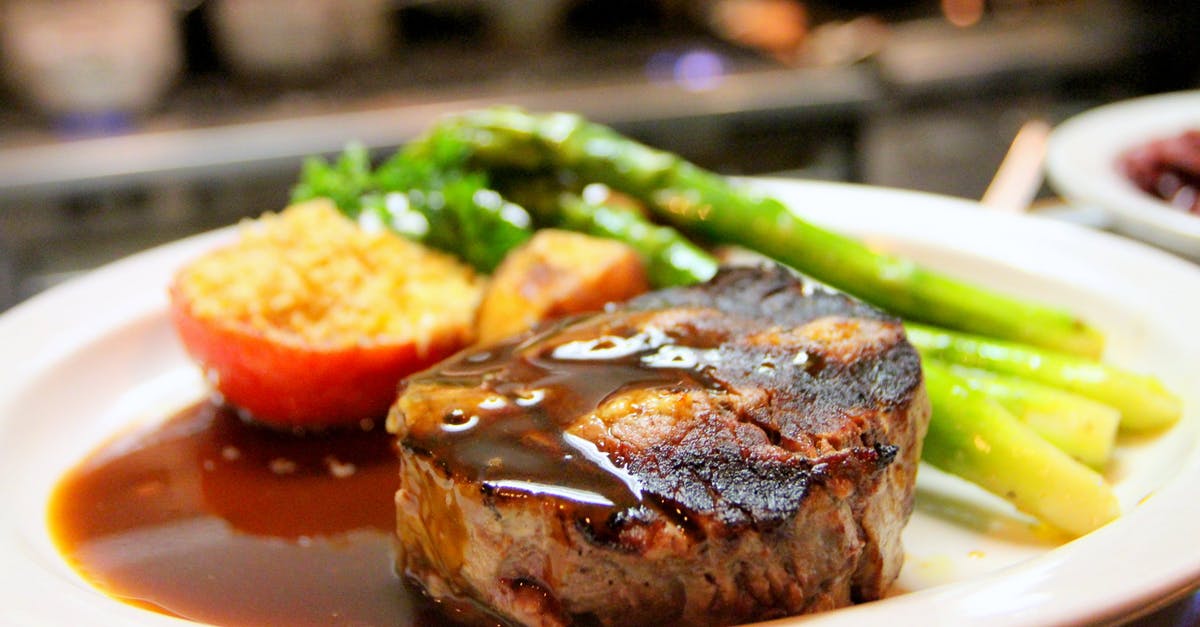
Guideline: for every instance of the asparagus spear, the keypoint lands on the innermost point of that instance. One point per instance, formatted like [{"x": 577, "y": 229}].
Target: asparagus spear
[
  {"x": 978, "y": 440},
  {"x": 670, "y": 258},
  {"x": 1143, "y": 401},
  {"x": 710, "y": 205},
  {"x": 1078, "y": 426}
]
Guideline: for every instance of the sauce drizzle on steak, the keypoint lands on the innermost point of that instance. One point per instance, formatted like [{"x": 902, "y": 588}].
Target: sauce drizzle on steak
[{"x": 664, "y": 430}]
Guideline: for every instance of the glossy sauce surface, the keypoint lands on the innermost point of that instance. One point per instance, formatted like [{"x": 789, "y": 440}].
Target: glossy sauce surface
[
  {"x": 208, "y": 518},
  {"x": 212, "y": 519},
  {"x": 517, "y": 439}
]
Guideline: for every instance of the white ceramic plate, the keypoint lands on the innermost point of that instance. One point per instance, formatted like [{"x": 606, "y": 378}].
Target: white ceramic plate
[
  {"x": 97, "y": 355},
  {"x": 1081, "y": 164}
]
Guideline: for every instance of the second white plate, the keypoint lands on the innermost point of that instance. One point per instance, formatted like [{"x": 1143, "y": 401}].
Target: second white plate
[{"x": 1081, "y": 164}]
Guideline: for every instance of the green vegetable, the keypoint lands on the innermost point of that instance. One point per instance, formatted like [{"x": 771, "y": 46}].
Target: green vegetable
[
  {"x": 344, "y": 181},
  {"x": 1143, "y": 401},
  {"x": 975, "y": 438},
  {"x": 436, "y": 201},
  {"x": 669, "y": 257},
  {"x": 1078, "y": 426},
  {"x": 704, "y": 203},
  {"x": 461, "y": 218},
  {"x": 441, "y": 190}
]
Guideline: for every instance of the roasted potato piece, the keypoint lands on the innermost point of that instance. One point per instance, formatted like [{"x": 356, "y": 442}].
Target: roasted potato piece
[{"x": 554, "y": 274}]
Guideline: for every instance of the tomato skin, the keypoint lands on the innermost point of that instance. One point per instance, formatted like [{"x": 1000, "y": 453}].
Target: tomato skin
[{"x": 290, "y": 385}]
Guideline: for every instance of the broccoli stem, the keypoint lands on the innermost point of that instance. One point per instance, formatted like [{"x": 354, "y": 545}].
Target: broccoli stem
[
  {"x": 977, "y": 439},
  {"x": 1145, "y": 404},
  {"x": 1078, "y": 426}
]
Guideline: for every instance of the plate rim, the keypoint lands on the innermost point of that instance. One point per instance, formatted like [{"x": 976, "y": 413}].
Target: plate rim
[
  {"x": 1081, "y": 164},
  {"x": 951, "y": 601}
]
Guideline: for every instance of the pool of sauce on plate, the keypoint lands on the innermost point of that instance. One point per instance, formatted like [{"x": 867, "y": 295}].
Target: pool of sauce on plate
[{"x": 209, "y": 518}]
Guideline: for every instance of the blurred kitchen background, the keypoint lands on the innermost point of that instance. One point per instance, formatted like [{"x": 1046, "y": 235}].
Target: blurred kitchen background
[{"x": 127, "y": 123}]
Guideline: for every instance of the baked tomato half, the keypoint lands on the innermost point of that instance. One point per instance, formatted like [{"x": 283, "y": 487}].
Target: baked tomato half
[
  {"x": 308, "y": 321},
  {"x": 289, "y": 384}
]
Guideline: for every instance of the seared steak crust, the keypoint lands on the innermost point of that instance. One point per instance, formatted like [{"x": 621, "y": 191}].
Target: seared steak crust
[{"x": 714, "y": 454}]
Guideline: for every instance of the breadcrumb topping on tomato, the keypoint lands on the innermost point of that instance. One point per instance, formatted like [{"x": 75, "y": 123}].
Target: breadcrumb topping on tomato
[
  {"x": 311, "y": 275},
  {"x": 310, "y": 320}
]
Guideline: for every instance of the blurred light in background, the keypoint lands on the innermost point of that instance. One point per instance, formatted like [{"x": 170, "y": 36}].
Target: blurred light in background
[
  {"x": 963, "y": 13},
  {"x": 693, "y": 70}
]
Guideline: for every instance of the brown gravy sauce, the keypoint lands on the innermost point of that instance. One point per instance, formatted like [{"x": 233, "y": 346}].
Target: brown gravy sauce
[
  {"x": 212, "y": 519},
  {"x": 517, "y": 441},
  {"x": 208, "y": 518}
]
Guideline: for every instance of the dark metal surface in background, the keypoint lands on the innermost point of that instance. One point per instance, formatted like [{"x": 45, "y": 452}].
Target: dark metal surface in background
[{"x": 933, "y": 109}]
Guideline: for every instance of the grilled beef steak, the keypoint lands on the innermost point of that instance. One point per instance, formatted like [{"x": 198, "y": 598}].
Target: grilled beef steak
[{"x": 735, "y": 451}]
